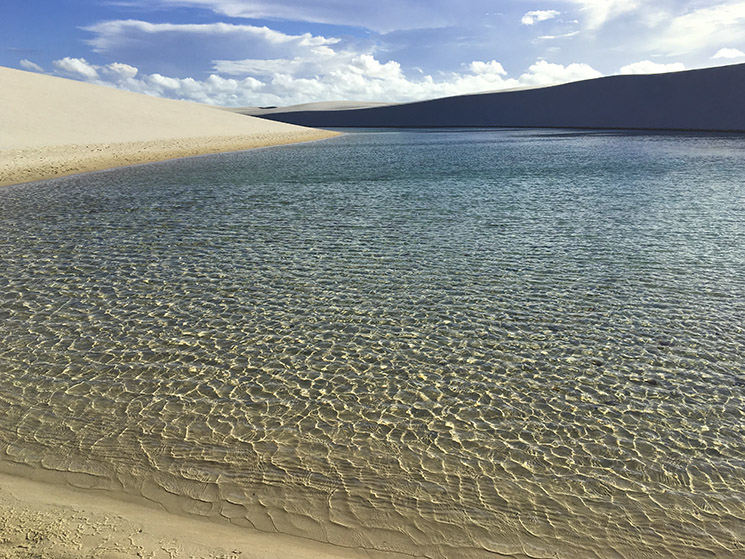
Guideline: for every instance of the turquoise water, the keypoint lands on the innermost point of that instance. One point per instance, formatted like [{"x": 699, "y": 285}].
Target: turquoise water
[{"x": 461, "y": 344}]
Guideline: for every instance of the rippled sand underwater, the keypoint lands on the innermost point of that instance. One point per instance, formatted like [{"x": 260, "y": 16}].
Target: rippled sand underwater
[{"x": 460, "y": 344}]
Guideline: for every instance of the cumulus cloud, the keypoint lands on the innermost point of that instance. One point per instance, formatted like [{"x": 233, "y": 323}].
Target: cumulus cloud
[
  {"x": 30, "y": 66},
  {"x": 534, "y": 16},
  {"x": 80, "y": 68},
  {"x": 120, "y": 71},
  {"x": 76, "y": 67},
  {"x": 546, "y": 73},
  {"x": 729, "y": 53},
  {"x": 314, "y": 62},
  {"x": 115, "y": 73},
  {"x": 649, "y": 67},
  {"x": 491, "y": 67},
  {"x": 359, "y": 77}
]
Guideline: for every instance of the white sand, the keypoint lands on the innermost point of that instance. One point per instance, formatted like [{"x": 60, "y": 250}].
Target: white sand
[{"x": 52, "y": 127}]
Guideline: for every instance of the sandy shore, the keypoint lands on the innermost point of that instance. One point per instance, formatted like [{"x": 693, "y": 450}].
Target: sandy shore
[
  {"x": 38, "y": 520},
  {"x": 51, "y": 127}
]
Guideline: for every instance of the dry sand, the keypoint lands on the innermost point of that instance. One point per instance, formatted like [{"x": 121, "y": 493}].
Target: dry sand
[{"x": 51, "y": 127}]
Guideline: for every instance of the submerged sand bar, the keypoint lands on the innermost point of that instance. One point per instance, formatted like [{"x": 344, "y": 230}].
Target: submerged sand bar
[{"x": 51, "y": 127}]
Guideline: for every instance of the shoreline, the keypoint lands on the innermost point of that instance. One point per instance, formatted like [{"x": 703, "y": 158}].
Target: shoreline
[
  {"x": 54, "y": 127},
  {"x": 39, "y": 519},
  {"x": 31, "y": 164}
]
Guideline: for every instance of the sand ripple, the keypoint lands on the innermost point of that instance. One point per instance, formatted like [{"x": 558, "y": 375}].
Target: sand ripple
[{"x": 369, "y": 390}]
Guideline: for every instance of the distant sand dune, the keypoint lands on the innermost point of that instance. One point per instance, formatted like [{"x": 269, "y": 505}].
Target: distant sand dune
[
  {"x": 52, "y": 127},
  {"x": 710, "y": 99},
  {"x": 320, "y": 106}
]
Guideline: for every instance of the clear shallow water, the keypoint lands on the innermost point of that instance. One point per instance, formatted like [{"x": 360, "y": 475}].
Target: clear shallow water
[{"x": 446, "y": 343}]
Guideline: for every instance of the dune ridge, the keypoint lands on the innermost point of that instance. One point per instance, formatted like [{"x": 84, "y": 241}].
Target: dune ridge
[
  {"x": 52, "y": 127},
  {"x": 708, "y": 99}
]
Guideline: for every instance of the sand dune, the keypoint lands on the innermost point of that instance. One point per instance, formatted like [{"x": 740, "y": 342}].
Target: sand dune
[
  {"x": 320, "y": 106},
  {"x": 52, "y": 127},
  {"x": 709, "y": 99}
]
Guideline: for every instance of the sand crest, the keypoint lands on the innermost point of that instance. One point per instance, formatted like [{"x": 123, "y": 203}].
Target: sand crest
[
  {"x": 707, "y": 99},
  {"x": 52, "y": 127}
]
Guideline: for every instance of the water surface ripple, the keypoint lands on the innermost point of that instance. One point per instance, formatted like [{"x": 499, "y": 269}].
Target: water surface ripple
[{"x": 452, "y": 344}]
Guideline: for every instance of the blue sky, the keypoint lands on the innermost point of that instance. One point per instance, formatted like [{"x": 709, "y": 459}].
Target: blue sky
[{"x": 281, "y": 52}]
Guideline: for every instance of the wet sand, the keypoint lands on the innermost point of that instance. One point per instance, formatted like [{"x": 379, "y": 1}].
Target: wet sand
[
  {"x": 52, "y": 127},
  {"x": 55, "y": 522}
]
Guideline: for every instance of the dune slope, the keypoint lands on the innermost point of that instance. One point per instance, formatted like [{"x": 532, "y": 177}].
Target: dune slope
[
  {"x": 52, "y": 127},
  {"x": 708, "y": 99}
]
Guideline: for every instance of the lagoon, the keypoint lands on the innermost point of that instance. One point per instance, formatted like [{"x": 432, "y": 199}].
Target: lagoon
[{"x": 444, "y": 343}]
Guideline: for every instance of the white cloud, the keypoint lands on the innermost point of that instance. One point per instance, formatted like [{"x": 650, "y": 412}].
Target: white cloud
[
  {"x": 546, "y": 73},
  {"x": 260, "y": 67},
  {"x": 360, "y": 77},
  {"x": 185, "y": 49},
  {"x": 115, "y": 73},
  {"x": 366, "y": 65},
  {"x": 553, "y": 37},
  {"x": 729, "y": 53},
  {"x": 491, "y": 67},
  {"x": 313, "y": 62},
  {"x": 114, "y": 34},
  {"x": 381, "y": 15},
  {"x": 120, "y": 71},
  {"x": 598, "y": 12},
  {"x": 76, "y": 67},
  {"x": 30, "y": 66},
  {"x": 649, "y": 67},
  {"x": 724, "y": 23},
  {"x": 535, "y": 16}
]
